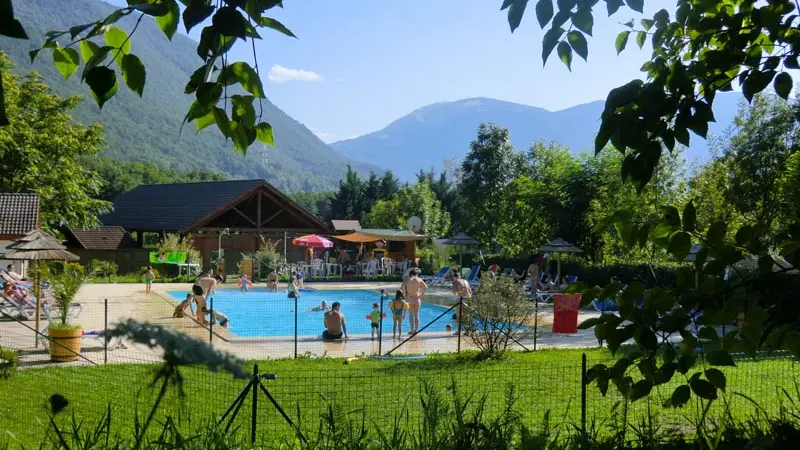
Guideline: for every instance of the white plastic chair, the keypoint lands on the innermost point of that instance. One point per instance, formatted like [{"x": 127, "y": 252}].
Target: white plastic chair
[{"x": 371, "y": 269}]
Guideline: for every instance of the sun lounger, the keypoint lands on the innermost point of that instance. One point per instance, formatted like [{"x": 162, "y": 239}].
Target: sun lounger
[
  {"x": 439, "y": 278},
  {"x": 17, "y": 309},
  {"x": 604, "y": 306},
  {"x": 473, "y": 276}
]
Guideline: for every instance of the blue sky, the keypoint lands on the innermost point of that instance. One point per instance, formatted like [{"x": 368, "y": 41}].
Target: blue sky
[{"x": 358, "y": 65}]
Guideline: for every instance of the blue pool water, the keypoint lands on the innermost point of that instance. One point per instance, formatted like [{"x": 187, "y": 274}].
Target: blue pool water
[{"x": 261, "y": 313}]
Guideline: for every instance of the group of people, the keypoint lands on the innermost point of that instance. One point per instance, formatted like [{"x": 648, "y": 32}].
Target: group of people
[{"x": 204, "y": 286}]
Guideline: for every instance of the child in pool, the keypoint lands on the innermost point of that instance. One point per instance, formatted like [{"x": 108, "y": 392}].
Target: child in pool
[
  {"x": 399, "y": 306},
  {"x": 321, "y": 307}
]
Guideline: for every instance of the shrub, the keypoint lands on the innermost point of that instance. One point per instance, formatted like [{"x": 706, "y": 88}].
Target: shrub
[
  {"x": 9, "y": 359},
  {"x": 497, "y": 313},
  {"x": 103, "y": 269}
]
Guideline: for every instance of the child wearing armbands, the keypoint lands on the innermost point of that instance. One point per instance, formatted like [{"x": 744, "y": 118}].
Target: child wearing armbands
[
  {"x": 399, "y": 306},
  {"x": 375, "y": 318}
]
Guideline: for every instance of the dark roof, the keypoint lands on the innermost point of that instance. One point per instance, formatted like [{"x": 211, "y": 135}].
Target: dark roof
[
  {"x": 102, "y": 238},
  {"x": 19, "y": 213},
  {"x": 180, "y": 207}
]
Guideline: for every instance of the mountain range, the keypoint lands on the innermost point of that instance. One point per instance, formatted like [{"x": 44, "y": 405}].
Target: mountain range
[
  {"x": 147, "y": 129},
  {"x": 432, "y": 134}
]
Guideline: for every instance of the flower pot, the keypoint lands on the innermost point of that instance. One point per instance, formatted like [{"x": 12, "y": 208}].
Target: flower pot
[{"x": 65, "y": 344}]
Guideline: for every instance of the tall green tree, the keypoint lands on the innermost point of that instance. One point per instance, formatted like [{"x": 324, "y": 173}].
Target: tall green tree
[
  {"x": 766, "y": 137},
  {"x": 389, "y": 185},
  {"x": 489, "y": 166},
  {"x": 348, "y": 202},
  {"x": 41, "y": 151}
]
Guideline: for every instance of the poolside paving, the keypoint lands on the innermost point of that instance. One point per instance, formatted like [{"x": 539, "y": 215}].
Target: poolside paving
[{"x": 130, "y": 301}]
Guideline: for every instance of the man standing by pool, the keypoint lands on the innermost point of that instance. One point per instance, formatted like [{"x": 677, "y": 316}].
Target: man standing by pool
[
  {"x": 415, "y": 289},
  {"x": 335, "y": 326}
]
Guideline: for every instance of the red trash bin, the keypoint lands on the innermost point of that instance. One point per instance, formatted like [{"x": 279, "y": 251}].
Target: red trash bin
[{"x": 565, "y": 317}]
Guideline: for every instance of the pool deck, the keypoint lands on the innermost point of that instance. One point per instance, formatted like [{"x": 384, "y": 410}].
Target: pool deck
[{"x": 130, "y": 301}]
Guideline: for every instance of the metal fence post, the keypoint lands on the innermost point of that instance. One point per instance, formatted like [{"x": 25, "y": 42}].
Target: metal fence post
[
  {"x": 105, "y": 333},
  {"x": 535, "y": 321},
  {"x": 459, "y": 319},
  {"x": 295, "y": 326},
  {"x": 253, "y": 419},
  {"x": 211, "y": 322},
  {"x": 583, "y": 393},
  {"x": 380, "y": 327}
]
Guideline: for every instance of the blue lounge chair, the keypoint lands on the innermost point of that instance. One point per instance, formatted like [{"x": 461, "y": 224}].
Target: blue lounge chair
[
  {"x": 438, "y": 278},
  {"x": 473, "y": 276},
  {"x": 604, "y": 306}
]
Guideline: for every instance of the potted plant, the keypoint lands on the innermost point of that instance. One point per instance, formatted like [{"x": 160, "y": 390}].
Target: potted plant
[{"x": 65, "y": 338}]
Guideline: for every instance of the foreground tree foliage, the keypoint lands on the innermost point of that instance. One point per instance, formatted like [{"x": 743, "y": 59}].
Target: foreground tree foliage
[
  {"x": 699, "y": 49},
  {"x": 41, "y": 151}
]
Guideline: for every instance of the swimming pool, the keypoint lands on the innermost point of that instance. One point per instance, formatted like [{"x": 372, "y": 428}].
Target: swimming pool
[{"x": 261, "y": 313}]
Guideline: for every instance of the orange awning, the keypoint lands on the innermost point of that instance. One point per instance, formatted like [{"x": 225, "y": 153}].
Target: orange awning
[
  {"x": 373, "y": 235},
  {"x": 357, "y": 237}
]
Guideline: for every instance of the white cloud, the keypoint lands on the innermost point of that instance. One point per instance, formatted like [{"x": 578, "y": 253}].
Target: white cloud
[{"x": 280, "y": 74}]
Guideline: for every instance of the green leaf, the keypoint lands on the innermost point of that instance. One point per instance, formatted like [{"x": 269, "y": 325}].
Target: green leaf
[
  {"x": 680, "y": 396},
  {"x": 9, "y": 26},
  {"x": 716, "y": 232},
  {"x": 621, "y": 41},
  {"x": 103, "y": 83},
  {"x": 583, "y": 20},
  {"x": 783, "y": 85},
  {"x": 242, "y": 110},
  {"x": 636, "y": 5},
  {"x": 78, "y": 29},
  {"x": 229, "y": 21},
  {"x": 578, "y": 43},
  {"x": 756, "y": 82},
  {"x": 640, "y": 389},
  {"x": 689, "y": 217},
  {"x": 641, "y": 38},
  {"x": 242, "y": 136},
  {"x": 117, "y": 38},
  {"x": 613, "y": 6},
  {"x": 208, "y": 94},
  {"x": 549, "y": 42},
  {"x": 708, "y": 333},
  {"x": 744, "y": 235},
  {"x": 169, "y": 21},
  {"x": 589, "y": 323},
  {"x": 66, "y": 61},
  {"x": 720, "y": 358},
  {"x": 195, "y": 13},
  {"x": 245, "y": 75},
  {"x": 223, "y": 123},
  {"x": 264, "y": 134},
  {"x": 717, "y": 378},
  {"x": 515, "y": 12},
  {"x": 703, "y": 389},
  {"x": 205, "y": 121},
  {"x": 88, "y": 50},
  {"x": 544, "y": 12},
  {"x": 133, "y": 73},
  {"x": 565, "y": 54},
  {"x": 275, "y": 25},
  {"x": 97, "y": 59}
]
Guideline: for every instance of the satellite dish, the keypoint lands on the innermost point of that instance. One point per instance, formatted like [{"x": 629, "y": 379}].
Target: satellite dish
[{"x": 414, "y": 224}]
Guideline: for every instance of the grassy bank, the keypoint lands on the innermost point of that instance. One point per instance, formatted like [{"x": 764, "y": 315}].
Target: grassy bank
[{"x": 545, "y": 381}]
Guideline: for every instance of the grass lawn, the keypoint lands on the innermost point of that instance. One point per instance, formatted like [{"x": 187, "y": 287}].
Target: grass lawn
[{"x": 544, "y": 380}]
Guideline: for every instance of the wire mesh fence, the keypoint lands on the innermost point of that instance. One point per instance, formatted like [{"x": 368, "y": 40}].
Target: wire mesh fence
[{"x": 118, "y": 374}]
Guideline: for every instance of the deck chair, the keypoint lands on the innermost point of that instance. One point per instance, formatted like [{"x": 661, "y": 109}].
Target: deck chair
[
  {"x": 604, "y": 306},
  {"x": 438, "y": 278},
  {"x": 372, "y": 269},
  {"x": 473, "y": 276},
  {"x": 17, "y": 309}
]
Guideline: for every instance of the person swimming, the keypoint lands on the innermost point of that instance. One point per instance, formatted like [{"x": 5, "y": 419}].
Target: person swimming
[{"x": 321, "y": 307}]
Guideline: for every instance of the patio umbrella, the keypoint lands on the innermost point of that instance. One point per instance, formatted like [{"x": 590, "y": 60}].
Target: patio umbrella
[
  {"x": 559, "y": 246},
  {"x": 460, "y": 240},
  {"x": 312, "y": 240},
  {"x": 38, "y": 246}
]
